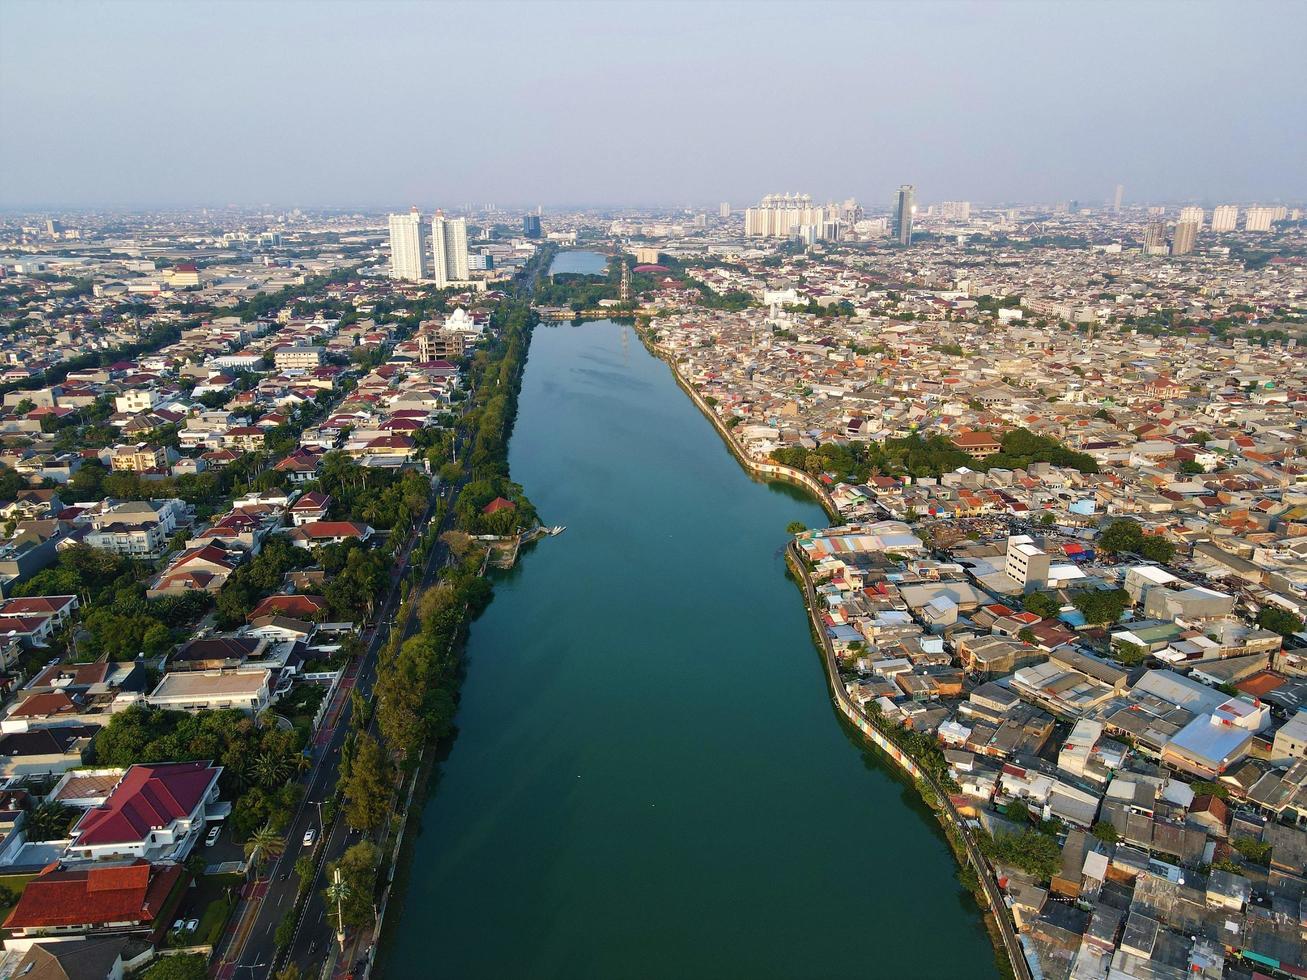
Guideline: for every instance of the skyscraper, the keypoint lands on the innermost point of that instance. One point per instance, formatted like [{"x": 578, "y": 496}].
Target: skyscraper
[
  {"x": 531, "y": 225},
  {"x": 723, "y": 210},
  {"x": 781, "y": 216},
  {"x": 1154, "y": 235},
  {"x": 1186, "y": 234},
  {"x": 1225, "y": 218},
  {"x": 408, "y": 260},
  {"x": 1120, "y": 193},
  {"x": 905, "y": 207},
  {"x": 1258, "y": 219},
  {"x": 1192, "y": 214},
  {"x": 448, "y": 249}
]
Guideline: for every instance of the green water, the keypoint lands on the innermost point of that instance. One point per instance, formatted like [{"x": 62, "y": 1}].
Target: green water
[{"x": 649, "y": 778}]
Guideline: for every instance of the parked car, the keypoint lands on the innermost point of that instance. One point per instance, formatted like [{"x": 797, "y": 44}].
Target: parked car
[{"x": 212, "y": 837}]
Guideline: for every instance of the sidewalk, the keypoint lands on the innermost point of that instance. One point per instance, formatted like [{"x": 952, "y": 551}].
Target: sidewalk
[{"x": 224, "y": 965}]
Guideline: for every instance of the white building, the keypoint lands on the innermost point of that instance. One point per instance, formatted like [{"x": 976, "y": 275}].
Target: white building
[
  {"x": 156, "y": 812},
  {"x": 248, "y": 690},
  {"x": 782, "y": 215},
  {"x": 448, "y": 249},
  {"x": 1192, "y": 214},
  {"x": 1225, "y": 218},
  {"x": 408, "y": 260},
  {"x": 1258, "y": 219}
]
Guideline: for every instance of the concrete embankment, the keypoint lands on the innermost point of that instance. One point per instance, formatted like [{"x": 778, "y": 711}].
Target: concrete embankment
[
  {"x": 961, "y": 831},
  {"x": 945, "y": 808},
  {"x": 768, "y": 469}
]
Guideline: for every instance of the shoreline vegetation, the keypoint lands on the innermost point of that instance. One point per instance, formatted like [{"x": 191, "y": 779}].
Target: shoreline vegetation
[
  {"x": 420, "y": 669},
  {"x": 922, "y": 762}
]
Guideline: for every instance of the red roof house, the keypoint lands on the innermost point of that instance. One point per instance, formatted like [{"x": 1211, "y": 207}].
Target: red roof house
[
  {"x": 496, "y": 505},
  {"x": 155, "y": 812},
  {"x": 134, "y": 897}
]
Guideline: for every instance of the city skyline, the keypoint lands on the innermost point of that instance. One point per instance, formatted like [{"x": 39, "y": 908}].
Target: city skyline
[{"x": 1017, "y": 128}]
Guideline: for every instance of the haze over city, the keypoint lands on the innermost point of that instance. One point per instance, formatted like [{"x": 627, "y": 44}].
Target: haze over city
[
  {"x": 653, "y": 490},
  {"x": 387, "y": 104}
]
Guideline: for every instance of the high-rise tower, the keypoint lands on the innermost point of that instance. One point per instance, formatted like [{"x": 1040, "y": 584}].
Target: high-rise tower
[
  {"x": 408, "y": 260},
  {"x": 905, "y": 208},
  {"x": 449, "y": 249}
]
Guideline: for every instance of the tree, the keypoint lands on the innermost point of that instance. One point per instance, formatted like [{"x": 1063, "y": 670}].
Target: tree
[
  {"x": 1253, "y": 850},
  {"x": 1031, "y": 851},
  {"x": 358, "y": 875},
  {"x": 1105, "y": 832},
  {"x": 263, "y": 845},
  {"x": 193, "y": 967},
  {"x": 1027, "y": 635},
  {"x": 1130, "y": 654},
  {"x": 368, "y": 786},
  {"x": 1042, "y": 604},
  {"x": 1018, "y": 812},
  {"x": 1101, "y": 607},
  {"x": 1279, "y": 621},
  {"x": 1126, "y": 535},
  {"x": 795, "y": 527},
  {"x": 50, "y": 820},
  {"x": 285, "y": 930}
]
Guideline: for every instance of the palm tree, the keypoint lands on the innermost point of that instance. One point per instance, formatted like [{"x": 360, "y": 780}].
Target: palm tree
[
  {"x": 49, "y": 821},
  {"x": 263, "y": 844},
  {"x": 271, "y": 769}
]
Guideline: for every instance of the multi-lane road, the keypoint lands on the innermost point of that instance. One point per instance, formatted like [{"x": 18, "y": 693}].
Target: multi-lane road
[{"x": 255, "y": 953}]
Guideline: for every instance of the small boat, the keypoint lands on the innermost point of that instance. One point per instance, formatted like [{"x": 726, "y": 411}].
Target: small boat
[{"x": 557, "y": 529}]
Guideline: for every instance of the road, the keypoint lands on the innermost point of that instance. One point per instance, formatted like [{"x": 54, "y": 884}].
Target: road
[{"x": 315, "y": 932}]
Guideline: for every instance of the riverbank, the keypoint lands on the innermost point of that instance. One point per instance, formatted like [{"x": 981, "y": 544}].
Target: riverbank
[
  {"x": 759, "y": 468},
  {"x": 962, "y": 841},
  {"x": 642, "y": 765}
]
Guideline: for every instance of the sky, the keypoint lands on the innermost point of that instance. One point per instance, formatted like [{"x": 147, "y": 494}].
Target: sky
[{"x": 381, "y": 104}]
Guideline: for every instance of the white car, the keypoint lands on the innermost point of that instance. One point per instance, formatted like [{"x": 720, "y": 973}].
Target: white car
[
  {"x": 212, "y": 837},
  {"x": 192, "y": 925},
  {"x": 310, "y": 836}
]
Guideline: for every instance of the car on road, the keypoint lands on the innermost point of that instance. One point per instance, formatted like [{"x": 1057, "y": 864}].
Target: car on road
[
  {"x": 310, "y": 836},
  {"x": 212, "y": 837}
]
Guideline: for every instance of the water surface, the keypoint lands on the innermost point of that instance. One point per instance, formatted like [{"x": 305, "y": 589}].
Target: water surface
[
  {"x": 649, "y": 779},
  {"x": 583, "y": 262}
]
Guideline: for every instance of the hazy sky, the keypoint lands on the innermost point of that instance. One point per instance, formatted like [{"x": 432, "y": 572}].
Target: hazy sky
[{"x": 436, "y": 104}]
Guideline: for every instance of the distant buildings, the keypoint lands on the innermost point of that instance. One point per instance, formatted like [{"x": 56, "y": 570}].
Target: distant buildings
[
  {"x": 1155, "y": 236},
  {"x": 449, "y": 249},
  {"x": 1120, "y": 194},
  {"x": 785, "y": 216},
  {"x": 407, "y": 258},
  {"x": 1186, "y": 235},
  {"x": 1225, "y": 218},
  {"x": 531, "y": 226},
  {"x": 1258, "y": 219},
  {"x": 724, "y": 210},
  {"x": 1194, "y": 215},
  {"x": 904, "y": 209},
  {"x": 955, "y": 210}
]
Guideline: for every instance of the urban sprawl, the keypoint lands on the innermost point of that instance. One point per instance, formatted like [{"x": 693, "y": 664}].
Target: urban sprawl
[{"x": 253, "y": 471}]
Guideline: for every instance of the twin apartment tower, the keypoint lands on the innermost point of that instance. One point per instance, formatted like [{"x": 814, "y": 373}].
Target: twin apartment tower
[{"x": 446, "y": 263}]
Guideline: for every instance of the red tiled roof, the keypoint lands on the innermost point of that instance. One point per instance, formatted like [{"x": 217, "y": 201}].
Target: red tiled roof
[
  {"x": 36, "y": 605},
  {"x": 296, "y": 606},
  {"x": 93, "y": 896},
  {"x": 148, "y": 798},
  {"x": 496, "y": 505}
]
